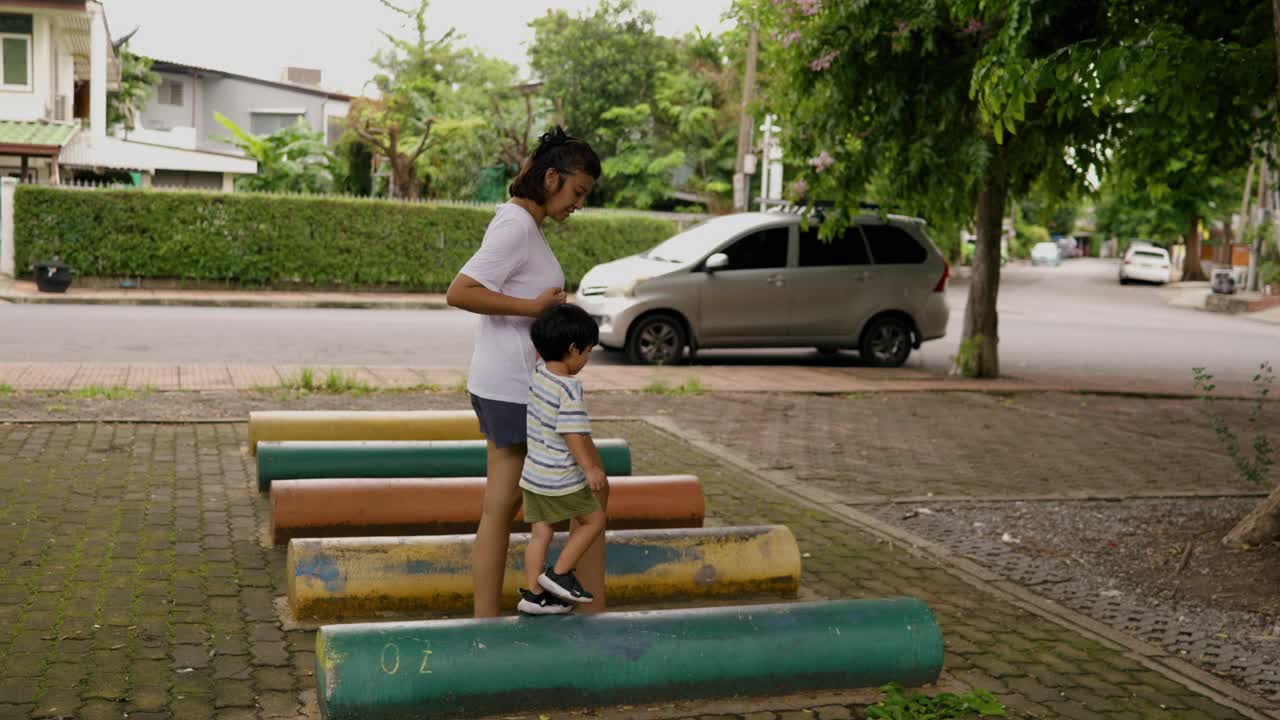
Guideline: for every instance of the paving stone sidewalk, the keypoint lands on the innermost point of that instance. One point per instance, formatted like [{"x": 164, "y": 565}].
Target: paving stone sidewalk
[{"x": 134, "y": 580}]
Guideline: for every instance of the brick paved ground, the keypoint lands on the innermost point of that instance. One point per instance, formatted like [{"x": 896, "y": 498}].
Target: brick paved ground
[{"x": 133, "y": 580}]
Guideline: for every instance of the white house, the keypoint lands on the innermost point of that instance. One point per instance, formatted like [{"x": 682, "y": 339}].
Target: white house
[{"x": 56, "y": 65}]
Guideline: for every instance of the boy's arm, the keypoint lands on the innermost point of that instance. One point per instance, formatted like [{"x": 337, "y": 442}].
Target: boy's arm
[{"x": 584, "y": 452}]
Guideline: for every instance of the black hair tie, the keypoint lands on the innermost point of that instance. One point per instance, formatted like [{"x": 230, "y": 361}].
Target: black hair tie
[{"x": 555, "y": 138}]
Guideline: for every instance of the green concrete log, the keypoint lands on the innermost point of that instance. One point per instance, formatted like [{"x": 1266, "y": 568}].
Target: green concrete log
[
  {"x": 465, "y": 668},
  {"x": 302, "y": 460}
]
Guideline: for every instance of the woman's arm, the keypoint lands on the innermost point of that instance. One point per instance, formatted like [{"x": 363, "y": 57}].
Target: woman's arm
[{"x": 466, "y": 293}]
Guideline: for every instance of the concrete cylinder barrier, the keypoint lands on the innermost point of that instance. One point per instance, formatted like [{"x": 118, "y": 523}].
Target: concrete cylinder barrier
[
  {"x": 466, "y": 668},
  {"x": 376, "y": 577},
  {"x": 360, "y": 507},
  {"x": 297, "y": 460},
  {"x": 277, "y": 425}
]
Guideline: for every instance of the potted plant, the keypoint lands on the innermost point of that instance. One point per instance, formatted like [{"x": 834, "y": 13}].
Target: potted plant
[{"x": 52, "y": 275}]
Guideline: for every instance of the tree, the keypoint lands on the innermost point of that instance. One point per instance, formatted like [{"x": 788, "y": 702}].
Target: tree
[
  {"x": 137, "y": 82},
  {"x": 943, "y": 108},
  {"x": 292, "y": 159},
  {"x": 598, "y": 61},
  {"x": 1195, "y": 85}
]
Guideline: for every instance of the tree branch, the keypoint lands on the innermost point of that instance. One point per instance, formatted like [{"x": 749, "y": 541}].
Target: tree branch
[{"x": 422, "y": 144}]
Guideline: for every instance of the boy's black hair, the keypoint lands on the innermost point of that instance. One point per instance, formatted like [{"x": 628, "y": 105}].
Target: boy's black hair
[{"x": 561, "y": 326}]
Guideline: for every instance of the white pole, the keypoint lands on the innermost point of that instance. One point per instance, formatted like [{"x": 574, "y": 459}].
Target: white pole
[
  {"x": 8, "y": 189},
  {"x": 764, "y": 160},
  {"x": 97, "y": 72}
]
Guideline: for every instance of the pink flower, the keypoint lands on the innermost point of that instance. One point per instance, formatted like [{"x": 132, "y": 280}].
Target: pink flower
[
  {"x": 822, "y": 161},
  {"x": 903, "y": 27},
  {"x": 823, "y": 62},
  {"x": 809, "y": 7},
  {"x": 790, "y": 38},
  {"x": 974, "y": 26},
  {"x": 799, "y": 188}
]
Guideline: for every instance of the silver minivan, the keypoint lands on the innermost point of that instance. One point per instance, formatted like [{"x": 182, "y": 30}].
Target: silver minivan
[{"x": 760, "y": 280}]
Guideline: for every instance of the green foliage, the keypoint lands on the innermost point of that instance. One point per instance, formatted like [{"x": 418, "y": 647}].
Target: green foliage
[
  {"x": 1026, "y": 237},
  {"x": 692, "y": 386},
  {"x": 898, "y": 705},
  {"x": 1250, "y": 468},
  {"x": 289, "y": 240},
  {"x": 965, "y": 361},
  {"x": 6, "y": 389},
  {"x": 137, "y": 82},
  {"x": 100, "y": 392},
  {"x": 352, "y": 166},
  {"x": 1269, "y": 273},
  {"x": 293, "y": 159}
]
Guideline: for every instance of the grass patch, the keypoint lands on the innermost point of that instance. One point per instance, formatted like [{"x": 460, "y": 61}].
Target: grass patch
[
  {"x": 6, "y": 389},
  {"x": 855, "y": 396},
  {"x": 102, "y": 392},
  {"x": 335, "y": 381},
  {"x": 460, "y": 386},
  {"x": 56, "y": 408},
  {"x": 691, "y": 386}
]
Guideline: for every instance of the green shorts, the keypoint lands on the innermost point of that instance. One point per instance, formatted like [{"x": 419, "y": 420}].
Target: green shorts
[{"x": 554, "y": 508}]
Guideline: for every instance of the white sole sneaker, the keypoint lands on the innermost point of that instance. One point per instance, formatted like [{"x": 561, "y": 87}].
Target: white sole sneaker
[{"x": 531, "y": 608}]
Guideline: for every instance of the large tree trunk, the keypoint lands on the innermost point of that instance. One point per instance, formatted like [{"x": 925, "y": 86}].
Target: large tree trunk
[
  {"x": 1261, "y": 525},
  {"x": 1191, "y": 269},
  {"x": 980, "y": 311}
]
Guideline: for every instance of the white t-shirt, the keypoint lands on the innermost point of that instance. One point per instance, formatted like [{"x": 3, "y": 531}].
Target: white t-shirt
[{"x": 515, "y": 260}]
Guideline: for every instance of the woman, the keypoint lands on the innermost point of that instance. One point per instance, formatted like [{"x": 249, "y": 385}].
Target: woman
[{"x": 511, "y": 279}]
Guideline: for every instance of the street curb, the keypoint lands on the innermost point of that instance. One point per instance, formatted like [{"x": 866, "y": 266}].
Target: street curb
[
  {"x": 1149, "y": 655},
  {"x": 227, "y": 302}
]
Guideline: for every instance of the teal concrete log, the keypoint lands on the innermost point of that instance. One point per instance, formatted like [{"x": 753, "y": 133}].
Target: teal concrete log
[
  {"x": 301, "y": 460},
  {"x": 464, "y": 668}
]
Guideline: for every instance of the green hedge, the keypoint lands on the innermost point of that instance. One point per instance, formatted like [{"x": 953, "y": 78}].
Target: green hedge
[{"x": 269, "y": 240}]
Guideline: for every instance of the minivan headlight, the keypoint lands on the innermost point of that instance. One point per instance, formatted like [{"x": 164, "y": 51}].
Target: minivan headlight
[{"x": 624, "y": 289}]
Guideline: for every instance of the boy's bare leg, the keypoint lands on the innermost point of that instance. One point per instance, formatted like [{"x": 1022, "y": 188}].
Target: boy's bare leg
[
  {"x": 591, "y": 564},
  {"x": 584, "y": 532},
  {"x": 501, "y": 500},
  {"x": 535, "y": 555}
]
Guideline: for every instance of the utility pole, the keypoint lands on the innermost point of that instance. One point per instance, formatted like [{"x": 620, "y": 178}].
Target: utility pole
[{"x": 741, "y": 190}]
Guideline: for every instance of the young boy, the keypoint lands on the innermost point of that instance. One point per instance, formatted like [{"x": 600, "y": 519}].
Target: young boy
[{"x": 563, "y": 467}]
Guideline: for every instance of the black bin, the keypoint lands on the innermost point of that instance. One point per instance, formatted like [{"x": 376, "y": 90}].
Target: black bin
[{"x": 52, "y": 276}]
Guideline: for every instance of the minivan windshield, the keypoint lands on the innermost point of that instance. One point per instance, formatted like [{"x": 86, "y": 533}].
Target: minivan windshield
[{"x": 694, "y": 244}]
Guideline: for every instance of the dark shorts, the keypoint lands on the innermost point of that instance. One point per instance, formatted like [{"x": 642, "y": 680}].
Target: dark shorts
[{"x": 501, "y": 422}]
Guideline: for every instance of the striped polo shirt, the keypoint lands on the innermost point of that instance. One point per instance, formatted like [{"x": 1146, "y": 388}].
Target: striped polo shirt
[{"x": 556, "y": 407}]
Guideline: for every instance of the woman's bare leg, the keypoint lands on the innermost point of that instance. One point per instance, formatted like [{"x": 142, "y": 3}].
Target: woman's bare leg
[
  {"x": 501, "y": 500},
  {"x": 591, "y": 565}
]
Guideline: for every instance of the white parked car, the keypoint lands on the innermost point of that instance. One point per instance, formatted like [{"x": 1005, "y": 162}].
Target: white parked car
[
  {"x": 1146, "y": 263},
  {"x": 1046, "y": 253},
  {"x": 761, "y": 280}
]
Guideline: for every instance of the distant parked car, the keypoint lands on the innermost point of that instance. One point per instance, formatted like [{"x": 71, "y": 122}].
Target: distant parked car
[
  {"x": 761, "y": 280},
  {"x": 1067, "y": 247},
  {"x": 1046, "y": 253},
  {"x": 1146, "y": 263}
]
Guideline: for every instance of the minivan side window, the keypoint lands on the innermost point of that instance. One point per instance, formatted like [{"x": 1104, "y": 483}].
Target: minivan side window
[
  {"x": 760, "y": 250},
  {"x": 891, "y": 245},
  {"x": 848, "y": 248}
]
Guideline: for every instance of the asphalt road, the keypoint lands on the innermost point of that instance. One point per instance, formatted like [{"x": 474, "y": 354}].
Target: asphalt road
[{"x": 1075, "y": 319}]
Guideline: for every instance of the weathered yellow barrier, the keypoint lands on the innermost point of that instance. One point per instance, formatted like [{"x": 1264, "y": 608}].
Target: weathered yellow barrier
[
  {"x": 275, "y": 425},
  {"x": 373, "y": 577}
]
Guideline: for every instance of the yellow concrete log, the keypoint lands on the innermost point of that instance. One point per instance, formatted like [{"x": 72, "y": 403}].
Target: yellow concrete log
[
  {"x": 277, "y": 425},
  {"x": 336, "y": 578}
]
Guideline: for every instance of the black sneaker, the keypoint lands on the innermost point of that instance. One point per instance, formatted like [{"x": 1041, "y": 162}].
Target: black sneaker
[
  {"x": 544, "y": 604},
  {"x": 565, "y": 587}
]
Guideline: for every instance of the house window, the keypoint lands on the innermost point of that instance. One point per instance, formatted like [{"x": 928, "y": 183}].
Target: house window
[
  {"x": 170, "y": 92},
  {"x": 265, "y": 123},
  {"x": 15, "y": 62}
]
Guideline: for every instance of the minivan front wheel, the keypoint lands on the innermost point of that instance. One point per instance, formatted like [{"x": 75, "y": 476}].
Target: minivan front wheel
[
  {"x": 886, "y": 342},
  {"x": 657, "y": 340}
]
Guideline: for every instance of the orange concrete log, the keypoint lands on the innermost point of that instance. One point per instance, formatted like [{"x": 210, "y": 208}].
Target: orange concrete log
[{"x": 356, "y": 507}]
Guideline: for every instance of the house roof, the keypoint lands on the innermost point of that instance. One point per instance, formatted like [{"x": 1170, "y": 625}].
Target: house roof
[
  {"x": 46, "y": 134},
  {"x": 112, "y": 152},
  {"x": 159, "y": 65}
]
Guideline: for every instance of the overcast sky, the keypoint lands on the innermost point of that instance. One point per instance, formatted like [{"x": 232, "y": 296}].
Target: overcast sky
[{"x": 260, "y": 37}]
